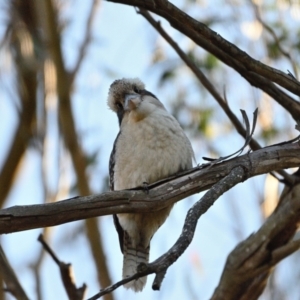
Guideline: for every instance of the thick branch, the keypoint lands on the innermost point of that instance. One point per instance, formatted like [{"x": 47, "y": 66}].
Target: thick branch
[
  {"x": 211, "y": 40},
  {"x": 205, "y": 82},
  {"x": 255, "y": 72},
  {"x": 161, "y": 194},
  {"x": 249, "y": 264},
  {"x": 161, "y": 265},
  {"x": 252, "y": 260},
  {"x": 201, "y": 77}
]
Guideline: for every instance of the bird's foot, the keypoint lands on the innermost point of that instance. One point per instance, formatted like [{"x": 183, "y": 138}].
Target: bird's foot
[{"x": 146, "y": 187}]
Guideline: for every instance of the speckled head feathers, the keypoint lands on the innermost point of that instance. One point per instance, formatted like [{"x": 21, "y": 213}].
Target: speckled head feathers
[{"x": 120, "y": 87}]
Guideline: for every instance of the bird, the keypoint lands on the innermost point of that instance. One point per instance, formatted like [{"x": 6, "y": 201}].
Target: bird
[{"x": 150, "y": 146}]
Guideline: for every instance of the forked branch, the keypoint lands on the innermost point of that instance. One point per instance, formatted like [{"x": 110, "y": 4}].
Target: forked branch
[
  {"x": 256, "y": 73},
  {"x": 161, "y": 265},
  {"x": 66, "y": 274},
  {"x": 18, "y": 218}
]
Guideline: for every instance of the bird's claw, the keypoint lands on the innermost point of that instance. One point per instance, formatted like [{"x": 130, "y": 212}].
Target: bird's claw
[{"x": 146, "y": 187}]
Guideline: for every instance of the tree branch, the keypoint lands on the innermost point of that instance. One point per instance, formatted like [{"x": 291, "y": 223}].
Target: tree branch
[
  {"x": 206, "y": 83},
  {"x": 68, "y": 129},
  {"x": 187, "y": 24},
  {"x": 26, "y": 81},
  {"x": 66, "y": 274},
  {"x": 10, "y": 278},
  {"x": 87, "y": 38},
  {"x": 255, "y": 72},
  {"x": 248, "y": 266},
  {"x": 274, "y": 36},
  {"x": 161, "y": 265},
  {"x": 201, "y": 77},
  {"x": 161, "y": 194},
  {"x": 250, "y": 263}
]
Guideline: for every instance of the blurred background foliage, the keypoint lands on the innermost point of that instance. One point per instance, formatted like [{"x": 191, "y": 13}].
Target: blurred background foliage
[{"x": 57, "y": 61}]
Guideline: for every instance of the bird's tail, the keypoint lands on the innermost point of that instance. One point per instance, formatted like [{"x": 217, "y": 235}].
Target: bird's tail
[{"x": 133, "y": 256}]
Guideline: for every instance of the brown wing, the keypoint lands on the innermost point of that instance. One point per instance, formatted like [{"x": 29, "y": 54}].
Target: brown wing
[{"x": 112, "y": 162}]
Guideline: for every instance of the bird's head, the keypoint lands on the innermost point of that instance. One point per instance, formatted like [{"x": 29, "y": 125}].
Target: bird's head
[{"x": 131, "y": 101}]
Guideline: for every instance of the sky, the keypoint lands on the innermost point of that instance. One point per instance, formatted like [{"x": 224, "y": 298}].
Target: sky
[{"x": 123, "y": 47}]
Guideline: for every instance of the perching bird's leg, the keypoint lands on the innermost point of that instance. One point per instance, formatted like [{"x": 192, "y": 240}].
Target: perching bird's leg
[{"x": 146, "y": 187}]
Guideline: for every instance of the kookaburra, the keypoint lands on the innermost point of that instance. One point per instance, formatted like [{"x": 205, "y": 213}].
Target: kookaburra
[{"x": 150, "y": 146}]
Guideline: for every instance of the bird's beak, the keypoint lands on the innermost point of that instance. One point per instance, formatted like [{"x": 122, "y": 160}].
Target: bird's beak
[{"x": 132, "y": 101}]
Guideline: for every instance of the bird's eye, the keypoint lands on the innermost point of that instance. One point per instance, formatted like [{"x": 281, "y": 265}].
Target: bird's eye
[
  {"x": 119, "y": 105},
  {"x": 136, "y": 90}
]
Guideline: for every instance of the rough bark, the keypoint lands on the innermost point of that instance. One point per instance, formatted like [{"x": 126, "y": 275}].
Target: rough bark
[{"x": 160, "y": 195}]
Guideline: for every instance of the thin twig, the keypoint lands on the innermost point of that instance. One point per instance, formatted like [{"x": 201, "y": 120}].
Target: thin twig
[
  {"x": 199, "y": 208},
  {"x": 257, "y": 73},
  {"x": 66, "y": 274},
  {"x": 87, "y": 38},
  {"x": 48, "y": 249},
  {"x": 208, "y": 85},
  {"x": 160, "y": 265},
  {"x": 276, "y": 39},
  {"x": 12, "y": 283},
  {"x": 114, "y": 286},
  {"x": 248, "y": 138}
]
